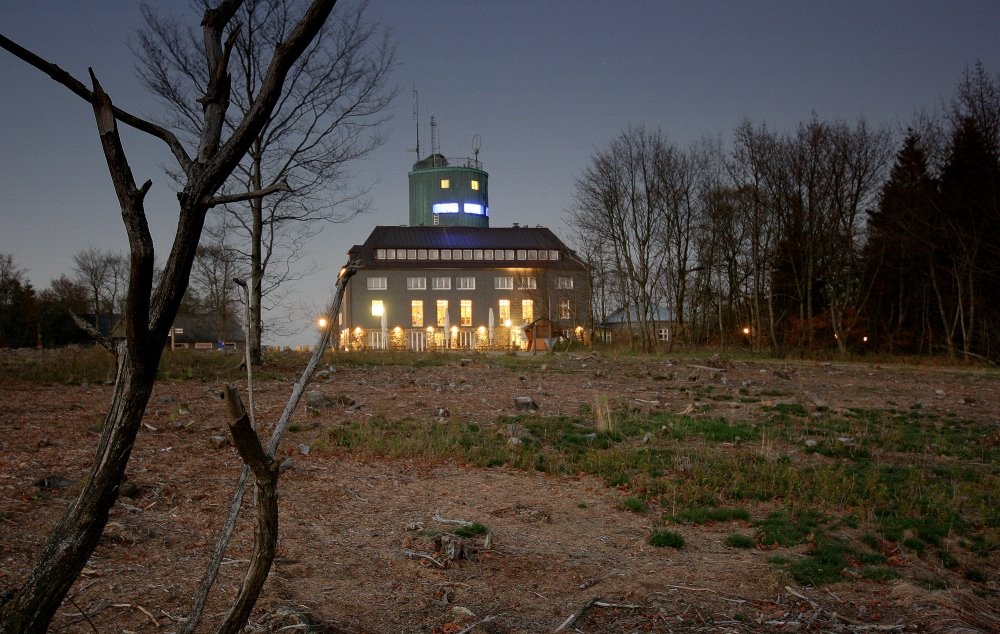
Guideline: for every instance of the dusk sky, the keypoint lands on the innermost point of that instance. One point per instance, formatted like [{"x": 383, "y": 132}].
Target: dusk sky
[{"x": 543, "y": 83}]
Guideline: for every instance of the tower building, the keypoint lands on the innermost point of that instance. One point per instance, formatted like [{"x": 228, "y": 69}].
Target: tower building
[{"x": 450, "y": 281}]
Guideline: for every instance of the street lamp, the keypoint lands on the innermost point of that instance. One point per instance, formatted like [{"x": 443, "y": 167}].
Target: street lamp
[{"x": 322, "y": 323}]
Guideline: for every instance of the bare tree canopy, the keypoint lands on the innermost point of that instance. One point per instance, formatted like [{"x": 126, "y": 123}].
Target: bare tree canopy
[{"x": 329, "y": 114}]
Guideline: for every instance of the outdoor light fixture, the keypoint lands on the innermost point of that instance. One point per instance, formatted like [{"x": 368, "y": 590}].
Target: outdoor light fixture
[
  {"x": 322, "y": 323},
  {"x": 358, "y": 330},
  {"x": 506, "y": 322},
  {"x": 746, "y": 331}
]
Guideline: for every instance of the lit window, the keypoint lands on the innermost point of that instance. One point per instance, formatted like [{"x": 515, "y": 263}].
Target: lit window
[
  {"x": 526, "y": 283},
  {"x": 432, "y": 254},
  {"x": 553, "y": 255},
  {"x": 565, "y": 308},
  {"x": 442, "y": 311},
  {"x": 441, "y": 283},
  {"x": 376, "y": 283},
  {"x": 379, "y": 254},
  {"x": 416, "y": 283},
  {"x": 472, "y": 208},
  {"x": 400, "y": 254},
  {"x": 503, "y": 282},
  {"x": 445, "y": 208},
  {"x": 411, "y": 254},
  {"x": 456, "y": 254},
  {"x": 543, "y": 255},
  {"x": 504, "y": 306},
  {"x": 421, "y": 254},
  {"x": 445, "y": 254},
  {"x": 445, "y": 183},
  {"x": 488, "y": 254},
  {"x": 664, "y": 334},
  {"x": 474, "y": 185},
  {"x": 465, "y": 306},
  {"x": 378, "y": 308},
  {"x": 465, "y": 283},
  {"x": 508, "y": 254},
  {"x": 527, "y": 310},
  {"x": 390, "y": 254},
  {"x": 477, "y": 254},
  {"x": 564, "y": 282},
  {"x": 417, "y": 313},
  {"x": 437, "y": 220},
  {"x": 522, "y": 254},
  {"x": 467, "y": 254},
  {"x": 532, "y": 254}
]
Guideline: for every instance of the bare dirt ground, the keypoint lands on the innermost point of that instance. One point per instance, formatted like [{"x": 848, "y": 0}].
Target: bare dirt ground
[{"x": 353, "y": 530}]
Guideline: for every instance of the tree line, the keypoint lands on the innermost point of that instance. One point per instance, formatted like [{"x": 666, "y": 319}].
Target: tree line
[
  {"x": 831, "y": 236},
  {"x": 95, "y": 292}
]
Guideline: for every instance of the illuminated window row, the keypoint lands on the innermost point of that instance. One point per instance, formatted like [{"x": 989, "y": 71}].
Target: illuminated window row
[
  {"x": 466, "y": 254},
  {"x": 446, "y": 184},
  {"x": 442, "y": 317},
  {"x": 467, "y": 283},
  {"x": 452, "y": 208}
]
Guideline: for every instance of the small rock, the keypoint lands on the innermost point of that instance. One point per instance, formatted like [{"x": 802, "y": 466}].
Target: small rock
[
  {"x": 316, "y": 399},
  {"x": 218, "y": 442},
  {"x": 53, "y": 483},
  {"x": 847, "y": 441},
  {"x": 304, "y": 449},
  {"x": 647, "y": 437},
  {"x": 811, "y": 442},
  {"x": 443, "y": 412},
  {"x": 525, "y": 403},
  {"x": 414, "y": 526},
  {"x": 514, "y": 441},
  {"x": 939, "y": 392},
  {"x": 286, "y": 464},
  {"x": 465, "y": 362}
]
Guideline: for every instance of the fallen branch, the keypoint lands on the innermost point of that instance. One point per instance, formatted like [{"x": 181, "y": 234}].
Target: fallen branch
[
  {"x": 136, "y": 606},
  {"x": 412, "y": 554},
  {"x": 573, "y": 618},
  {"x": 619, "y": 606},
  {"x": 478, "y": 623},
  {"x": 596, "y": 580}
]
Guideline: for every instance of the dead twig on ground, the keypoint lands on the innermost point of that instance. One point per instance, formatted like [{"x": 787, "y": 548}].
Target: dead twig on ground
[
  {"x": 478, "y": 623},
  {"x": 412, "y": 554},
  {"x": 573, "y": 618}
]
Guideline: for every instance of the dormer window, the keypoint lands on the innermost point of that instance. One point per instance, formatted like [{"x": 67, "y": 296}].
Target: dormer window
[
  {"x": 445, "y": 183},
  {"x": 474, "y": 185}
]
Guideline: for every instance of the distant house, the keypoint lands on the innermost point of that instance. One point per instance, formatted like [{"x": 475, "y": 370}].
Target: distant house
[
  {"x": 449, "y": 280},
  {"x": 619, "y": 326},
  {"x": 197, "y": 331}
]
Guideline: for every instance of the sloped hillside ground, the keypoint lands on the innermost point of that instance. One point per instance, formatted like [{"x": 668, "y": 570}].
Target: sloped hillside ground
[{"x": 385, "y": 460}]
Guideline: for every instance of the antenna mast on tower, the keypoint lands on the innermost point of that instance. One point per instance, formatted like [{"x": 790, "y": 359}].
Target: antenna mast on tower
[{"x": 416, "y": 117}]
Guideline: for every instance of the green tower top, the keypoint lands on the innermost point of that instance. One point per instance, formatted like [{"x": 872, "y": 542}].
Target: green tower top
[{"x": 446, "y": 195}]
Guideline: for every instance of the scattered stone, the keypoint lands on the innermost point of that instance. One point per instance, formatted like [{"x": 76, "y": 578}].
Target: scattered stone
[
  {"x": 218, "y": 442},
  {"x": 344, "y": 400},
  {"x": 414, "y": 526},
  {"x": 514, "y": 441},
  {"x": 442, "y": 412},
  {"x": 53, "y": 483},
  {"x": 465, "y": 362},
  {"x": 647, "y": 437},
  {"x": 286, "y": 465},
  {"x": 304, "y": 449},
  {"x": 939, "y": 392},
  {"x": 316, "y": 399},
  {"x": 810, "y": 442},
  {"x": 525, "y": 403},
  {"x": 847, "y": 441},
  {"x": 782, "y": 374}
]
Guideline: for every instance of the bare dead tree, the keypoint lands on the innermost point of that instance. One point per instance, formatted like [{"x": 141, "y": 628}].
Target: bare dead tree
[
  {"x": 149, "y": 311},
  {"x": 104, "y": 275},
  {"x": 329, "y": 114}
]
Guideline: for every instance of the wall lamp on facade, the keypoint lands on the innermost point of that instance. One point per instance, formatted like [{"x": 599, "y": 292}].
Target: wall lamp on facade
[{"x": 322, "y": 323}]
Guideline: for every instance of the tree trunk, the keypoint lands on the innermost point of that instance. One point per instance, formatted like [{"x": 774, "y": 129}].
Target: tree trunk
[{"x": 76, "y": 535}]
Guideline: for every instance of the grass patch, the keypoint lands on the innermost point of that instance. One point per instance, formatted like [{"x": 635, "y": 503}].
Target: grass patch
[
  {"x": 636, "y": 505},
  {"x": 472, "y": 530},
  {"x": 666, "y": 539},
  {"x": 702, "y": 515},
  {"x": 738, "y": 540}
]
